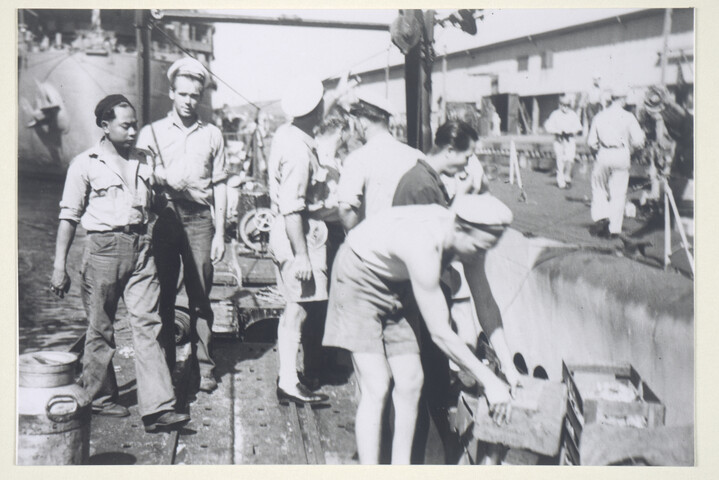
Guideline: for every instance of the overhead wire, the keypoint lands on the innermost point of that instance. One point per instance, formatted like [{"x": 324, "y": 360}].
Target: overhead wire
[{"x": 188, "y": 53}]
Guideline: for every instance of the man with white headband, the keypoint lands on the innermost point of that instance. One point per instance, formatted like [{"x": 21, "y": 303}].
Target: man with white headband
[{"x": 396, "y": 253}]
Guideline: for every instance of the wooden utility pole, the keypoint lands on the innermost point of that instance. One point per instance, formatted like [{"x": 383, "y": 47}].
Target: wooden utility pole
[
  {"x": 665, "y": 47},
  {"x": 144, "y": 55},
  {"x": 418, "y": 78}
]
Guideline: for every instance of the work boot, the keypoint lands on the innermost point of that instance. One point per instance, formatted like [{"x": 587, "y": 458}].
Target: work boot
[{"x": 164, "y": 420}]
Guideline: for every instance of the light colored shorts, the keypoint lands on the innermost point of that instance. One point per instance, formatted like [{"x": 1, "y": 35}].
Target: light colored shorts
[
  {"x": 367, "y": 314},
  {"x": 313, "y": 290}
]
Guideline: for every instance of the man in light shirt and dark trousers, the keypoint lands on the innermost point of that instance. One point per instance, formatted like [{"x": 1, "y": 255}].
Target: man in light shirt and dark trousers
[{"x": 190, "y": 231}]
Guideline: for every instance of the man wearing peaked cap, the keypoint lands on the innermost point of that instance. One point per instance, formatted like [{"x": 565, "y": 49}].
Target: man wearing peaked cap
[
  {"x": 191, "y": 170},
  {"x": 372, "y": 172},
  {"x": 298, "y": 238},
  {"x": 398, "y": 252}
]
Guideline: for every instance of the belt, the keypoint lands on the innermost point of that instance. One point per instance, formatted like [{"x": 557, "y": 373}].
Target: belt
[
  {"x": 188, "y": 206},
  {"x": 136, "y": 228}
]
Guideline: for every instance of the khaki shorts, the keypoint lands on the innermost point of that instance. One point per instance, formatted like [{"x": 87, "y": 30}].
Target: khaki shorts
[
  {"x": 367, "y": 314},
  {"x": 313, "y": 290}
]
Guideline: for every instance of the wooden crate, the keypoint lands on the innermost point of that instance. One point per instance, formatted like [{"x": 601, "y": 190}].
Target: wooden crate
[{"x": 644, "y": 411}]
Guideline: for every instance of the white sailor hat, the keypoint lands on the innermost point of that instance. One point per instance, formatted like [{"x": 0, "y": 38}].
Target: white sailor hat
[
  {"x": 484, "y": 209},
  {"x": 377, "y": 102},
  {"x": 189, "y": 67},
  {"x": 301, "y": 96},
  {"x": 619, "y": 91}
]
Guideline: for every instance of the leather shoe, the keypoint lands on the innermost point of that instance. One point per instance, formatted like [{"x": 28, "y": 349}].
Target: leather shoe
[
  {"x": 164, "y": 420},
  {"x": 300, "y": 394},
  {"x": 111, "y": 410},
  {"x": 600, "y": 228},
  {"x": 208, "y": 384}
]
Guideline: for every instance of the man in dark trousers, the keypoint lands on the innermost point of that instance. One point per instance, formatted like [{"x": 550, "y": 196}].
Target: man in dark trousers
[
  {"x": 423, "y": 185},
  {"x": 190, "y": 231}
]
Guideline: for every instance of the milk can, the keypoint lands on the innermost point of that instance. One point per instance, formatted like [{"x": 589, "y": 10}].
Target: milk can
[{"x": 53, "y": 412}]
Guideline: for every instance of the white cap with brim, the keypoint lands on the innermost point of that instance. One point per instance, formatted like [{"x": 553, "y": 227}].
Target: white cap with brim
[
  {"x": 377, "y": 102},
  {"x": 302, "y": 96},
  {"x": 484, "y": 209},
  {"x": 187, "y": 66}
]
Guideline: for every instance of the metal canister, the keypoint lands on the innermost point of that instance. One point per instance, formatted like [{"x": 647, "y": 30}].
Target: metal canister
[{"x": 53, "y": 411}]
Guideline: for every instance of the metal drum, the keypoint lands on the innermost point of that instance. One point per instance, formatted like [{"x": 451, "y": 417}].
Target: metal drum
[{"x": 53, "y": 412}]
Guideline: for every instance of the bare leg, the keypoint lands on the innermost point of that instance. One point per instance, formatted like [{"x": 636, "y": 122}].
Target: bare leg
[
  {"x": 408, "y": 379},
  {"x": 288, "y": 343},
  {"x": 373, "y": 379}
]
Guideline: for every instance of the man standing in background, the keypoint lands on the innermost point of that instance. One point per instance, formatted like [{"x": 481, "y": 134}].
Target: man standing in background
[
  {"x": 613, "y": 135},
  {"x": 190, "y": 231},
  {"x": 371, "y": 173},
  {"x": 298, "y": 239},
  {"x": 564, "y": 124}
]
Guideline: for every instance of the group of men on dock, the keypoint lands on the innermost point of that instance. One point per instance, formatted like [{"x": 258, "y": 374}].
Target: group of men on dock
[
  {"x": 153, "y": 205},
  {"x": 389, "y": 241}
]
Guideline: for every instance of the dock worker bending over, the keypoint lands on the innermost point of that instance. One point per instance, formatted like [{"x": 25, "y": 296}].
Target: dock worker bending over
[
  {"x": 401, "y": 251},
  {"x": 190, "y": 231},
  {"x": 108, "y": 190}
]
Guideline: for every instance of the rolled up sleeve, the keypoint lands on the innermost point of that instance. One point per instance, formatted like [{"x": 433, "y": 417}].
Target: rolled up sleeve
[
  {"x": 74, "y": 195},
  {"x": 295, "y": 175},
  {"x": 219, "y": 161}
]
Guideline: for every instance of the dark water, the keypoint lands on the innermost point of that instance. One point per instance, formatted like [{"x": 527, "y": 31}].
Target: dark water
[{"x": 45, "y": 321}]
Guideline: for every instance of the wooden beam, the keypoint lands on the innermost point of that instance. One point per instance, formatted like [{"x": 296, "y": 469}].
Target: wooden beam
[{"x": 184, "y": 16}]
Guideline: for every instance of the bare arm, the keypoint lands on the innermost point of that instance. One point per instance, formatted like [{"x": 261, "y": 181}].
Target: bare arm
[
  {"x": 294, "y": 226},
  {"x": 424, "y": 276},
  {"x": 349, "y": 216},
  {"x": 60, "y": 281},
  {"x": 489, "y": 315},
  {"x": 218, "y": 241}
]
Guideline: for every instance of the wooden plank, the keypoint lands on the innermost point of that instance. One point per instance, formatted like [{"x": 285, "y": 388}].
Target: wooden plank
[
  {"x": 207, "y": 439},
  {"x": 296, "y": 432},
  {"x": 313, "y": 445},
  {"x": 263, "y": 432}
]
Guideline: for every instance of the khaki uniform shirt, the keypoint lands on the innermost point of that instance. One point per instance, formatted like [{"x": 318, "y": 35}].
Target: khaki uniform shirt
[
  {"x": 194, "y": 157},
  {"x": 97, "y": 195}
]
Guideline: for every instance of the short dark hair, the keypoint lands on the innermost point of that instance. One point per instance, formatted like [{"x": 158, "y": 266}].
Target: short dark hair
[
  {"x": 370, "y": 112},
  {"x": 455, "y": 133},
  {"x": 334, "y": 120},
  {"x": 105, "y": 109}
]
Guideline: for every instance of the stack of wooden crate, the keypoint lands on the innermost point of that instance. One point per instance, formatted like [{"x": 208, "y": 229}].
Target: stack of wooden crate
[{"x": 614, "y": 397}]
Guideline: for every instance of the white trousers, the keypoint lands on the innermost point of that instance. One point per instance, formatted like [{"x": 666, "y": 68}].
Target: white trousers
[
  {"x": 610, "y": 179},
  {"x": 564, "y": 152}
]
